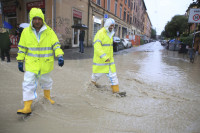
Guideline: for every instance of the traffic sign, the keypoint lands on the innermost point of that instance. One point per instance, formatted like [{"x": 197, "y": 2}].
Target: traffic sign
[
  {"x": 105, "y": 15},
  {"x": 194, "y": 16}
]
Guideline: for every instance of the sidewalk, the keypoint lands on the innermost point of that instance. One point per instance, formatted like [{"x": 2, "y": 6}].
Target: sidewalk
[
  {"x": 70, "y": 54},
  {"x": 74, "y": 54}
]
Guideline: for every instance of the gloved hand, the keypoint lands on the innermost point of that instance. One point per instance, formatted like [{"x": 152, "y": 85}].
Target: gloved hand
[
  {"x": 20, "y": 66},
  {"x": 60, "y": 61}
]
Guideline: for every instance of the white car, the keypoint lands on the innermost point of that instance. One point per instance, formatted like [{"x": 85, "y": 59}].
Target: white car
[{"x": 127, "y": 43}]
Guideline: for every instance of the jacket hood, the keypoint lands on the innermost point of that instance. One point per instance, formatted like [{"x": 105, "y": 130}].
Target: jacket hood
[
  {"x": 36, "y": 12},
  {"x": 108, "y": 22}
]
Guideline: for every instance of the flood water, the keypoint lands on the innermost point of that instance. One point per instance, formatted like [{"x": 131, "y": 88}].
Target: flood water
[{"x": 163, "y": 96}]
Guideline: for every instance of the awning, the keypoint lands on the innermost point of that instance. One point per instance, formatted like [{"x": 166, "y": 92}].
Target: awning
[{"x": 80, "y": 26}]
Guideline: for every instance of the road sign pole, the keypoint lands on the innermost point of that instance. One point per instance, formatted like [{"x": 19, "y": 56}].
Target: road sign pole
[{"x": 194, "y": 35}]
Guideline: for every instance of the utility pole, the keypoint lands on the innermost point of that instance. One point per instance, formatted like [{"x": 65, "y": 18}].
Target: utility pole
[{"x": 54, "y": 15}]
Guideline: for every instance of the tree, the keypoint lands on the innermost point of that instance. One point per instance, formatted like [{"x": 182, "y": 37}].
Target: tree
[
  {"x": 179, "y": 23},
  {"x": 153, "y": 33},
  {"x": 195, "y": 4}
]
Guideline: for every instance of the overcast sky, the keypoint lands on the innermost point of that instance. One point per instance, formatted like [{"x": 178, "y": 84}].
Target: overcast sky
[{"x": 162, "y": 11}]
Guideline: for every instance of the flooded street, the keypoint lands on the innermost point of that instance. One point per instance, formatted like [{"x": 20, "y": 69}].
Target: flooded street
[{"x": 163, "y": 96}]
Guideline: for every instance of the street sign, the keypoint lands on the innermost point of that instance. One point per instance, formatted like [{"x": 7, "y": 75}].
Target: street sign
[
  {"x": 194, "y": 16},
  {"x": 105, "y": 15}
]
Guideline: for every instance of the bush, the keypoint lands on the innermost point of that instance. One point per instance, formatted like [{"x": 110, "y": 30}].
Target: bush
[
  {"x": 142, "y": 41},
  {"x": 187, "y": 40}
]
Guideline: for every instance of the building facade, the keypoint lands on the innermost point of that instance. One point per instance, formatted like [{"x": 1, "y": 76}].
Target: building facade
[
  {"x": 147, "y": 26},
  {"x": 60, "y": 15}
]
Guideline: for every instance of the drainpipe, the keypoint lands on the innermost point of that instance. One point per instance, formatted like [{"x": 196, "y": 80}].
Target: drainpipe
[
  {"x": 54, "y": 14},
  {"x": 104, "y": 10},
  {"x": 88, "y": 22}
]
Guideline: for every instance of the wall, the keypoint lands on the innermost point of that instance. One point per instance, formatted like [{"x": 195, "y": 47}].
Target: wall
[{"x": 64, "y": 18}]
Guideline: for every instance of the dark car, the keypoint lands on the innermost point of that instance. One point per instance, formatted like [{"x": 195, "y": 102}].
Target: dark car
[{"x": 117, "y": 44}]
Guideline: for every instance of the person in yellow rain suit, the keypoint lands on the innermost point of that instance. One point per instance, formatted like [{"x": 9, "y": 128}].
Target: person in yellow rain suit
[
  {"x": 37, "y": 46},
  {"x": 103, "y": 61}
]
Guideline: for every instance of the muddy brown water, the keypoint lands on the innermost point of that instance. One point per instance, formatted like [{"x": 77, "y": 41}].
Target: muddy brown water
[{"x": 163, "y": 96}]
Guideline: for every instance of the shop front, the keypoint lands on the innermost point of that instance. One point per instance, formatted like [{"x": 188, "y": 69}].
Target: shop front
[
  {"x": 37, "y": 4},
  {"x": 97, "y": 25},
  {"x": 77, "y": 18},
  {"x": 9, "y": 12}
]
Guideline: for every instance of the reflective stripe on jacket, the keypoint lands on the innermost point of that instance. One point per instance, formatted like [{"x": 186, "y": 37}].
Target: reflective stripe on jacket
[
  {"x": 103, "y": 50},
  {"x": 39, "y": 56}
]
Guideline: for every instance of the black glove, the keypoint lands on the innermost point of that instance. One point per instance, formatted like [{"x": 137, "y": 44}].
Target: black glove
[
  {"x": 20, "y": 66},
  {"x": 60, "y": 61}
]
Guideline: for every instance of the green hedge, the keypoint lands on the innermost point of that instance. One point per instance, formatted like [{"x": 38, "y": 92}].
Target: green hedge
[
  {"x": 141, "y": 41},
  {"x": 187, "y": 40}
]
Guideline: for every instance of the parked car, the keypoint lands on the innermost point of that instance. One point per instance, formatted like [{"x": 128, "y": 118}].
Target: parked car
[
  {"x": 163, "y": 42},
  {"x": 127, "y": 43},
  {"x": 117, "y": 44},
  {"x": 174, "y": 45}
]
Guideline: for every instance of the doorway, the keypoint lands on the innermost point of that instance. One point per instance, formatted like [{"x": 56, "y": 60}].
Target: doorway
[
  {"x": 75, "y": 40},
  {"x": 13, "y": 22}
]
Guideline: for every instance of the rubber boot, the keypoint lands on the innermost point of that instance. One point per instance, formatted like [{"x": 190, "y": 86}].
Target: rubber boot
[
  {"x": 47, "y": 96},
  {"x": 26, "y": 109},
  {"x": 115, "y": 89}
]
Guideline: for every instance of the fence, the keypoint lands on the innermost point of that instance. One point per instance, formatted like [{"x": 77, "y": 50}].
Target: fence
[{"x": 135, "y": 39}]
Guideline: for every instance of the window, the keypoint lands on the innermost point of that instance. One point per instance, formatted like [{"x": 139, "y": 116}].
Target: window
[
  {"x": 131, "y": 6},
  {"x": 115, "y": 8},
  {"x": 128, "y": 17},
  {"x": 134, "y": 5},
  {"x": 130, "y": 20},
  {"x": 97, "y": 27},
  {"x": 120, "y": 13},
  {"x": 108, "y": 5},
  {"x": 99, "y": 2},
  {"x": 124, "y": 14},
  {"x": 125, "y": 1},
  {"x": 129, "y": 3}
]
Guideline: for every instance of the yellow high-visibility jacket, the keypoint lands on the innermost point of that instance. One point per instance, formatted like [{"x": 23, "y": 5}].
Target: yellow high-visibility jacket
[
  {"x": 39, "y": 56},
  {"x": 103, "y": 50}
]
